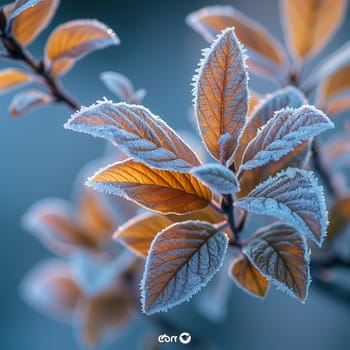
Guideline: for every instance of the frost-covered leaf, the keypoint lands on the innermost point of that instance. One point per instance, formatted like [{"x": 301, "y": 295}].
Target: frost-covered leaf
[
  {"x": 310, "y": 24},
  {"x": 217, "y": 177},
  {"x": 182, "y": 259},
  {"x": 24, "y": 101},
  {"x": 266, "y": 55},
  {"x": 221, "y": 94},
  {"x": 29, "y": 18},
  {"x": 294, "y": 196},
  {"x": 247, "y": 277},
  {"x": 281, "y": 255},
  {"x": 122, "y": 87},
  {"x": 53, "y": 222},
  {"x": 75, "y": 39},
  {"x": 138, "y": 233},
  {"x": 97, "y": 272},
  {"x": 159, "y": 190},
  {"x": 283, "y": 133},
  {"x": 50, "y": 288},
  {"x": 138, "y": 132},
  {"x": 11, "y": 78},
  {"x": 104, "y": 316},
  {"x": 264, "y": 111}
]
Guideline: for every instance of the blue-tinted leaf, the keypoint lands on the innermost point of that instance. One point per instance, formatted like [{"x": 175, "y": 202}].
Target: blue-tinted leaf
[
  {"x": 267, "y": 57},
  {"x": 283, "y": 133},
  {"x": 217, "y": 177},
  {"x": 221, "y": 94},
  {"x": 138, "y": 133},
  {"x": 280, "y": 254},
  {"x": 94, "y": 273},
  {"x": 28, "y": 99},
  {"x": 294, "y": 196},
  {"x": 182, "y": 259},
  {"x": 264, "y": 111},
  {"x": 122, "y": 87}
]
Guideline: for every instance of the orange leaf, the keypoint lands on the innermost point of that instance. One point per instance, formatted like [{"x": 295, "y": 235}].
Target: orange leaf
[
  {"x": 75, "y": 39},
  {"x": 95, "y": 216},
  {"x": 11, "y": 78},
  {"x": 221, "y": 95},
  {"x": 28, "y": 24},
  {"x": 207, "y": 214},
  {"x": 309, "y": 24},
  {"x": 266, "y": 55},
  {"x": 138, "y": 233},
  {"x": 28, "y": 99},
  {"x": 159, "y": 190},
  {"x": 248, "y": 277}
]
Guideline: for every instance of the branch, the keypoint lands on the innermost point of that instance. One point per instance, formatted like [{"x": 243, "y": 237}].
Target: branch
[{"x": 16, "y": 51}]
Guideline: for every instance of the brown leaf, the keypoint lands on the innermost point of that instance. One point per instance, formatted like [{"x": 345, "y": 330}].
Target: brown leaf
[
  {"x": 280, "y": 254},
  {"x": 50, "y": 287},
  {"x": 207, "y": 214},
  {"x": 159, "y": 190},
  {"x": 248, "y": 277},
  {"x": 75, "y": 39},
  {"x": 11, "y": 78},
  {"x": 138, "y": 233},
  {"x": 309, "y": 24},
  {"x": 28, "y": 99},
  {"x": 266, "y": 55},
  {"x": 104, "y": 314},
  {"x": 221, "y": 95},
  {"x": 27, "y": 25},
  {"x": 55, "y": 225}
]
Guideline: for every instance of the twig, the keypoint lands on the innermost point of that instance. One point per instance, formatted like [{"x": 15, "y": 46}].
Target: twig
[{"x": 16, "y": 51}]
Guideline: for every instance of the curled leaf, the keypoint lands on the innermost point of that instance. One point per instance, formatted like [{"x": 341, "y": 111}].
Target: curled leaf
[
  {"x": 30, "y": 17},
  {"x": 310, "y": 24},
  {"x": 283, "y": 133},
  {"x": 28, "y": 99},
  {"x": 182, "y": 259},
  {"x": 280, "y": 254},
  {"x": 138, "y": 132},
  {"x": 247, "y": 277},
  {"x": 75, "y": 39},
  {"x": 217, "y": 177},
  {"x": 122, "y": 87},
  {"x": 266, "y": 55},
  {"x": 138, "y": 233},
  {"x": 159, "y": 190},
  {"x": 294, "y": 196},
  {"x": 221, "y": 95},
  {"x": 12, "y": 78}
]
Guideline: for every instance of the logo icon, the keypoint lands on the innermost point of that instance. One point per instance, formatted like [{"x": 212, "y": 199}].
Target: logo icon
[{"x": 185, "y": 338}]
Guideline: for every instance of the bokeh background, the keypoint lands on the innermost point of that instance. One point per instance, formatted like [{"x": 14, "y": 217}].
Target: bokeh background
[{"x": 39, "y": 159}]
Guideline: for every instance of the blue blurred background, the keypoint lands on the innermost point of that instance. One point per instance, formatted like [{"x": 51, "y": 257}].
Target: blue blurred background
[{"x": 39, "y": 159}]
